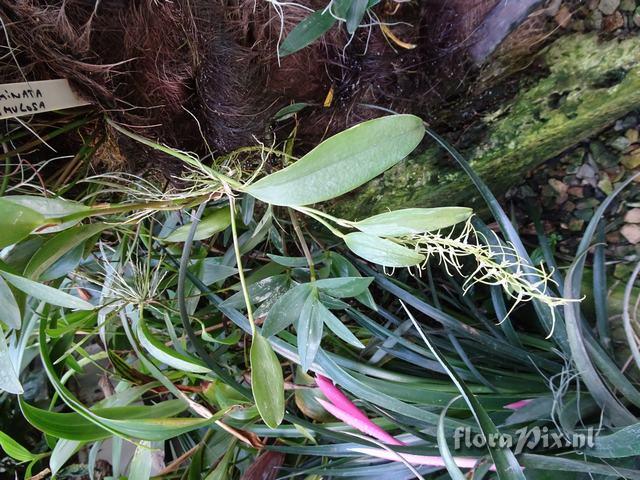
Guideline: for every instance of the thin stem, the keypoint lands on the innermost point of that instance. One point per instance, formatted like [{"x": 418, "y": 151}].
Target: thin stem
[
  {"x": 340, "y": 221},
  {"x": 303, "y": 243},
  {"x": 319, "y": 219},
  {"x": 111, "y": 209},
  {"x": 174, "y": 153},
  {"x": 236, "y": 248}
]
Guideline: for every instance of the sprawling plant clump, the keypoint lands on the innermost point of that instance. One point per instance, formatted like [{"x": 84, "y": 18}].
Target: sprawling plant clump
[{"x": 219, "y": 327}]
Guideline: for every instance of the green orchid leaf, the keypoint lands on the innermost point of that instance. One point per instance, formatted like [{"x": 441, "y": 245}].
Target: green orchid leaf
[{"x": 342, "y": 162}]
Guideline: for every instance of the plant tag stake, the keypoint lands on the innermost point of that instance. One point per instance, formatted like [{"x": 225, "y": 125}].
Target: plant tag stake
[{"x": 28, "y": 98}]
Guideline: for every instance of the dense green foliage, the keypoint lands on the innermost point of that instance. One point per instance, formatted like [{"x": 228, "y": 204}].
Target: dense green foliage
[{"x": 201, "y": 311}]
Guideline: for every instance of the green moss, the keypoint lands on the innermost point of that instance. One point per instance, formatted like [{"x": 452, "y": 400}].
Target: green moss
[{"x": 590, "y": 84}]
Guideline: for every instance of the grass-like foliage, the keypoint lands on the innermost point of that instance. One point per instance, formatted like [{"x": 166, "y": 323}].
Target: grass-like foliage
[{"x": 232, "y": 327}]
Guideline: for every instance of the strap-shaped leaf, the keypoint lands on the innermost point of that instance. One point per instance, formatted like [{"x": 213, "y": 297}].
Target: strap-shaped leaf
[
  {"x": 45, "y": 293},
  {"x": 342, "y": 162},
  {"x": 267, "y": 381},
  {"x": 313, "y": 27},
  {"x": 167, "y": 355},
  {"x": 9, "y": 310},
  {"x": 17, "y": 222},
  {"x": 382, "y": 251},
  {"x": 413, "y": 221},
  {"x": 214, "y": 222},
  {"x": 310, "y": 328}
]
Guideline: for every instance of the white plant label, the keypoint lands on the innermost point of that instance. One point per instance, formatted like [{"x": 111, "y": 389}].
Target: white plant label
[{"x": 28, "y": 98}]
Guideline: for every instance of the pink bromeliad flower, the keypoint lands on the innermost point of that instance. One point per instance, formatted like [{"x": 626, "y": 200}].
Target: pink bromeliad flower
[
  {"x": 344, "y": 409},
  {"x": 518, "y": 405}
]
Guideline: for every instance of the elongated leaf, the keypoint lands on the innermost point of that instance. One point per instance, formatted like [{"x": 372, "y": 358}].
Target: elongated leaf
[
  {"x": 151, "y": 423},
  {"x": 62, "y": 452},
  {"x": 267, "y": 381},
  {"x": 356, "y": 14},
  {"x": 46, "y": 293},
  {"x": 58, "y": 246},
  {"x": 445, "y": 453},
  {"x": 9, "y": 310},
  {"x": 382, "y": 251},
  {"x": 17, "y": 222},
  {"x": 212, "y": 271},
  {"x": 312, "y": 28},
  {"x": 140, "y": 467},
  {"x": 344, "y": 287},
  {"x": 337, "y": 327},
  {"x": 9, "y": 381},
  {"x": 309, "y": 331},
  {"x": 212, "y": 223},
  {"x": 294, "y": 261},
  {"x": 49, "y": 208},
  {"x": 286, "y": 310},
  {"x": 507, "y": 465},
  {"x": 289, "y": 111},
  {"x": 342, "y": 267},
  {"x": 14, "y": 449},
  {"x": 413, "y": 221},
  {"x": 161, "y": 352},
  {"x": 342, "y": 162}
]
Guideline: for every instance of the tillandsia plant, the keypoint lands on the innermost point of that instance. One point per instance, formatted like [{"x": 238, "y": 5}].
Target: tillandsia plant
[{"x": 150, "y": 295}]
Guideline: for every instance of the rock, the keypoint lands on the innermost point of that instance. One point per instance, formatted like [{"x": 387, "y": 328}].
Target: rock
[
  {"x": 611, "y": 23},
  {"x": 605, "y": 185},
  {"x": 560, "y": 187},
  {"x": 576, "y": 224},
  {"x": 587, "y": 174},
  {"x": 632, "y": 160},
  {"x": 607, "y": 7},
  {"x": 632, "y": 135},
  {"x": 576, "y": 192},
  {"x": 628, "y": 5},
  {"x": 563, "y": 16},
  {"x": 621, "y": 143},
  {"x": 632, "y": 216},
  {"x": 594, "y": 20},
  {"x": 631, "y": 232},
  {"x": 602, "y": 155}
]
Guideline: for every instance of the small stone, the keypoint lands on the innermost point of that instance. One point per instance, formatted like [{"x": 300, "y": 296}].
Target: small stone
[
  {"x": 602, "y": 155},
  {"x": 611, "y": 23},
  {"x": 585, "y": 214},
  {"x": 576, "y": 192},
  {"x": 569, "y": 206},
  {"x": 605, "y": 185},
  {"x": 595, "y": 20},
  {"x": 563, "y": 16},
  {"x": 613, "y": 237},
  {"x": 628, "y": 5},
  {"x": 632, "y": 160},
  {"x": 632, "y": 216},
  {"x": 608, "y": 6},
  {"x": 620, "y": 143},
  {"x": 576, "y": 224},
  {"x": 632, "y": 135},
  {"x": 631, "y": 232},
  {"x": 559, "y": 187}
]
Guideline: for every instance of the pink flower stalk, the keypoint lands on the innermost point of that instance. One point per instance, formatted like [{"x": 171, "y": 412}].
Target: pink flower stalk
[
  {"x": 344, "y": 409},
  {"x": 519, "y": 404},
  {"x": 429, "y": 460}
]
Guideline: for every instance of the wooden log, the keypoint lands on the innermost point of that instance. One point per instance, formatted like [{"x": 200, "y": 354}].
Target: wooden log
[{"x": 589, "y": 84}]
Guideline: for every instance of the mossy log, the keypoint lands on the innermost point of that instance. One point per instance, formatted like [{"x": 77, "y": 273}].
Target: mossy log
[{"x": 588, "y": 84}]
